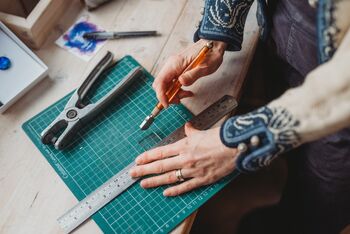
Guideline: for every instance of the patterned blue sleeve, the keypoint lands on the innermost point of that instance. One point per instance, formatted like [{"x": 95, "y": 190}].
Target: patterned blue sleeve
[
  {"x": 224, "y": 20},
  {"x": 273, "y": 127}
]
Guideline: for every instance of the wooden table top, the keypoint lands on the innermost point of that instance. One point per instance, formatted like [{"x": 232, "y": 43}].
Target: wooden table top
[{"x": 32, "y": 196}]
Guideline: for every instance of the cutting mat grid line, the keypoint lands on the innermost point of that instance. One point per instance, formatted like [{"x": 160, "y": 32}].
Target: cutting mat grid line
[{"x": 110, "y": 143}]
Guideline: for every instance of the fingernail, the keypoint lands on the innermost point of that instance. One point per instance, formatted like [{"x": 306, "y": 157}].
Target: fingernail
[
  {"x": 132, "y": 172},
  {"x": 166, "y": 193},
  {"x": 143, "y": 184},
  {"x": 138, "y": 160}
]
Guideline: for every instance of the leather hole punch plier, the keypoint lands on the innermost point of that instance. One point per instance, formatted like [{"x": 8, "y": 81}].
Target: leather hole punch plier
[{"x": 76, "y": 114}]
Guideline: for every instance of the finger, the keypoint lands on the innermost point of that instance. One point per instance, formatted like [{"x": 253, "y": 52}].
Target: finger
[
  {"x": 181, "y": 94},
  {"x": 189, "y": 129},
  {"x": 184, "y": 94},
  {"x": 189, "y": 77},
  {"x": 158, "y": 153},
  {"x": 183, "y": 187},
  {"x": 175, "y": 100},
  {"x": 170, "y": 70},
  {"x": 160, "y": 93},
  {"x": 166, "y": 178},
  {"x": 158, "y": 167}
]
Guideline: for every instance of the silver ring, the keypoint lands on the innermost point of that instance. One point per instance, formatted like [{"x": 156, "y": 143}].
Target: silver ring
[{"x": 179, "y": 175}]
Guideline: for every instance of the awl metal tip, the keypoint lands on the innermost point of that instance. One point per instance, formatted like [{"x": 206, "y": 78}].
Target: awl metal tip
[{"x": 146, "y": 123}]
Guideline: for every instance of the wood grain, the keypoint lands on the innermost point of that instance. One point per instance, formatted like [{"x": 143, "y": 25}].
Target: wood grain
[
  {"x": 230, "y": 76},
  {"x": 34, "y": 28},
  {"x": 32, "y": 194},
  {"x": 29, "y": 5},
  {"x": 13, "y": 7}
]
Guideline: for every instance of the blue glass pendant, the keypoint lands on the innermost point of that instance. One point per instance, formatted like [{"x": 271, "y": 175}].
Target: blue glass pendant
[{"x": 5, "y": 63}]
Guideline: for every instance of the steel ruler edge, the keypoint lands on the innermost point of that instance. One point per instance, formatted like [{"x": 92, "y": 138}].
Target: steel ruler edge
[{"x": 122, "y": 181}]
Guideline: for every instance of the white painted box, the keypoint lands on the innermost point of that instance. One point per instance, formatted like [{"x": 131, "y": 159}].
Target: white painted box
[{"x": 26, "y": 69}]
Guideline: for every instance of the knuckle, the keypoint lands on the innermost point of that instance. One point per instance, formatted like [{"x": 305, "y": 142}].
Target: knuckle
[
  {"x": 160, "y": 168},
  {"x": 216, "y": 178},
  {"x": 144, "y": 157},
  {"x": 205, "y": 70},
  {"x": 170, "y": 177},
  {"x": 175, "y": 58},
  {"x": 186, "y": 142},
  {"x": 197, "y": 157},
  {"x": 135, "y": 173},
  {"x": 155, "y": 85},
  {"x": 212, "y": 178},
  {"x": 160, "y": 97},
  {"x": 203, "y": 182},
  {"x": 206, "y": 181},
  {"x": 188, "y": 187},
  {"x": 139, "y": 172},
  {"x": 201, "y": 172},
  {"x": 186, "y": 76},
  {"x": 152, "y": 182},
  {"x": 161, "y": 154},
  {"x": 175, "y": 192},
  {"x": 158, "y": 94},
  {"x": 188, "y": 79},
  {"x": 190, "y": 162}
]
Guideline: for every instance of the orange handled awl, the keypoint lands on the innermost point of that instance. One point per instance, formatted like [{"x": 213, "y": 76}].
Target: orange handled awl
[{"x": 175, "y": 86}]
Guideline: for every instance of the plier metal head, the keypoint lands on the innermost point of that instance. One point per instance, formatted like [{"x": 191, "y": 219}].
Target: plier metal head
[{"x": 76, "y": 114}]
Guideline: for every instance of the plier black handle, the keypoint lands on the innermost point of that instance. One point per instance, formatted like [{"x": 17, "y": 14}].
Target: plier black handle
[{"x": 76, "y": 114}]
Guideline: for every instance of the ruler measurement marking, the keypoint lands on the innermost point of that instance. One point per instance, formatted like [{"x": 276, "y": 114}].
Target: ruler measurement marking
[{"x": 121, "y": 181}]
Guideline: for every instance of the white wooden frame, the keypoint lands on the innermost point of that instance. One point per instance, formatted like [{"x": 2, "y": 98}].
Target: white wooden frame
[
  {"x": 33, "y": 29},
  {"x": 35, "y": 80}
]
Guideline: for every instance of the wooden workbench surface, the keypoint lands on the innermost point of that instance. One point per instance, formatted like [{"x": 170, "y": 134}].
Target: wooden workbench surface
[{"x": 32, "y": 196}]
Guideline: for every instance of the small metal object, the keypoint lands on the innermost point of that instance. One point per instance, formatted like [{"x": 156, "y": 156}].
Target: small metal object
[
  {"x": 254, "y": 141},
  {"x": 242, "y": 147},
  {"x": 175, "y": 86},
  {"x": 147, "y": 122},
  {"x": 209, "y": 44},
  {"x": 117, "y": 35},
  {"x": 5, "y": 63},
  {"x": 179, "y": 175},
  {"x": 71, "y": 114},
  {"x": 122, "y": 180},
  {"x": 313, "y": 3},
  {"x": 76, "y": 114}
]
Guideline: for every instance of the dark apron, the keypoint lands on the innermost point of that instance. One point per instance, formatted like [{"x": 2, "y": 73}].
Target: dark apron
[{"x": 316, "y": 198}]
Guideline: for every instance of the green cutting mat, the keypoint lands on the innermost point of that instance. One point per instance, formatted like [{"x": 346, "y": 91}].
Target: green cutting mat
[{"x": 110, "y": 143}]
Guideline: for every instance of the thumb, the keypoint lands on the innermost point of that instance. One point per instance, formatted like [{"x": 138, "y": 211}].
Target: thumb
[
  {"x": 189, "y": 129},
  {"x": 189, "y": 77}
]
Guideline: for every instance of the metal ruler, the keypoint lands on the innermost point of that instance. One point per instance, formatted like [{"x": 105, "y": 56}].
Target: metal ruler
[{"x": 121, "y": 181}]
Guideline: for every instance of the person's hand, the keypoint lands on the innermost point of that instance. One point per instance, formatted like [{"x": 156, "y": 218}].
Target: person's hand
[
  {"x": 201, "y": 156},
  {"x": 176, "y": 64}
]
